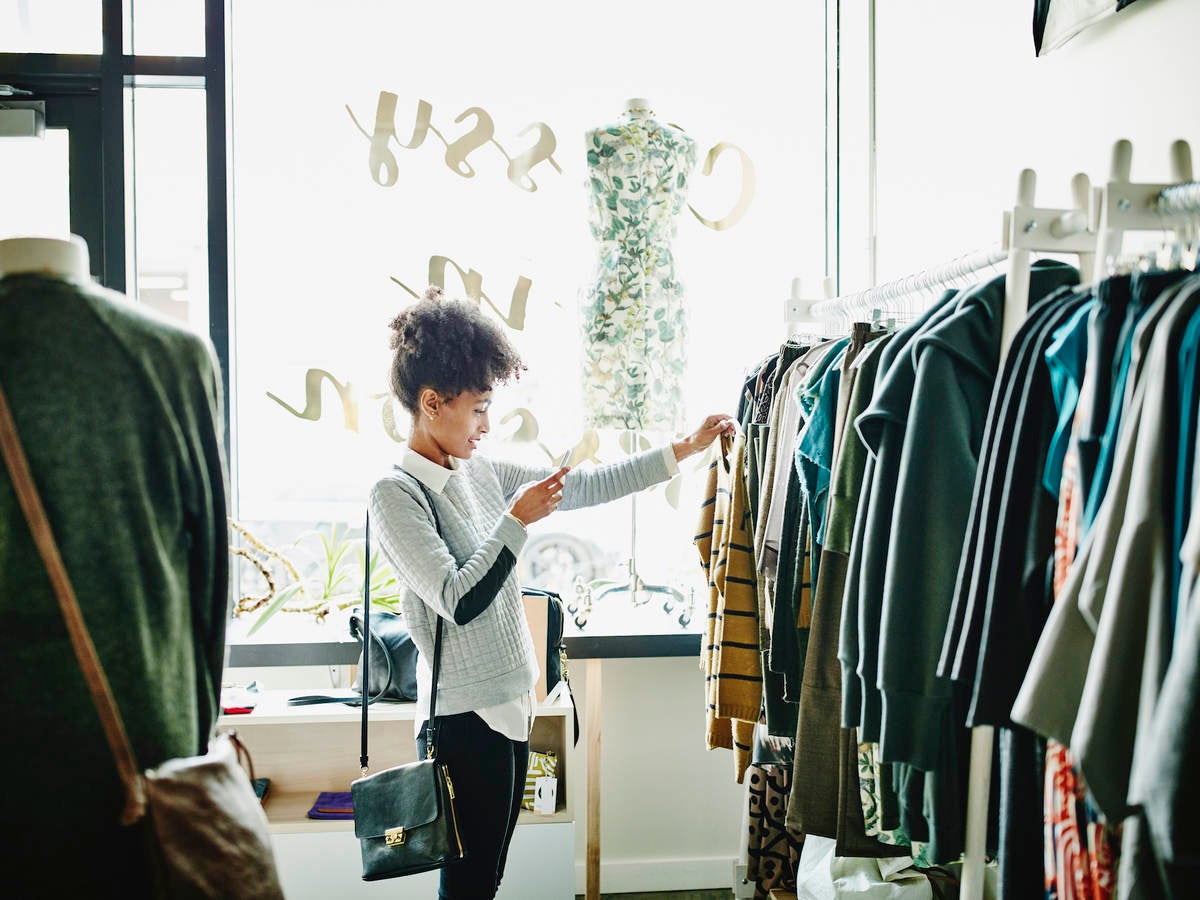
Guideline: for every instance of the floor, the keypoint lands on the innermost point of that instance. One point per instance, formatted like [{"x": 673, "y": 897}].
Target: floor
[{"x": 721, "y": 894}]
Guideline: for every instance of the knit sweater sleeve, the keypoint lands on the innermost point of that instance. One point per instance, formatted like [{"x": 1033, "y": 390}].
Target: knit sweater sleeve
[
  {"x": 593, "y": 485},
  {"x": 209, "y": 570},
  {"x": 411, "y": 543}
]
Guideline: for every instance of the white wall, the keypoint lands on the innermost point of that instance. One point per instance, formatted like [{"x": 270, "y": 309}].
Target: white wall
[
  {"x": 671, "y": 811},
  {"x": 963, "y": 105}
]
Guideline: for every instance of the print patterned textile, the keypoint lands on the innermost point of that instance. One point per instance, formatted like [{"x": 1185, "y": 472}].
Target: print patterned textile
[
  {"x": 634, "y": 319},
  {"x": 1080, "y": 863},
  {"x": 773, "y": 849},
  {"x": 870, "y": 794}
]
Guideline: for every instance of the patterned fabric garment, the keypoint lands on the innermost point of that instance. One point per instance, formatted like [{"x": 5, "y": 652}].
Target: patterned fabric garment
[
  {"x": 1080, "y": 863},
  {"x": 634, "y": 319},
  {"x": 773, "y": 849},
  {"x": 871, "y": 793}
]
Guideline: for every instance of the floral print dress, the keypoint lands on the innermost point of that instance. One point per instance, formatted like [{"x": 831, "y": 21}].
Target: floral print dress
[{"x": 634, "y": 319}]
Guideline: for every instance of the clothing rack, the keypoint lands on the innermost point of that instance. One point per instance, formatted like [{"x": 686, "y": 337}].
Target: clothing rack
[
  {"x": 1028, "y": 229},
  {"x": 1091, "y": 229},
  {"x": 1124, "y": 205},
  {"x": 884, "y": 296},
  {"x": 1181, "y": 199}
]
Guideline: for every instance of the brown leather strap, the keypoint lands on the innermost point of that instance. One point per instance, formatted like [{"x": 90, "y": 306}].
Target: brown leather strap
[{"x": 81, "y": 640}]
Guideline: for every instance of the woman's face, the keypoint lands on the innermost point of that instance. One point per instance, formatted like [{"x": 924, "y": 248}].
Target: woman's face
[{"x": 461, "y": 422}]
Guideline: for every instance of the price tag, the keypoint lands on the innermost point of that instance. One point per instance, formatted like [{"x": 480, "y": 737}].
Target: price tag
[{"x": 545, "y": 793}]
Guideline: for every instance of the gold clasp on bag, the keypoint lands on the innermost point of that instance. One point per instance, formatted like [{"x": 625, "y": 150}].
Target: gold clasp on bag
[{"x": 394, "y": 837}]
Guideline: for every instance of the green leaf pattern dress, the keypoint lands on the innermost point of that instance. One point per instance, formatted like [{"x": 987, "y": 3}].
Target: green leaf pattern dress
[{"x": 634, "y": 319}]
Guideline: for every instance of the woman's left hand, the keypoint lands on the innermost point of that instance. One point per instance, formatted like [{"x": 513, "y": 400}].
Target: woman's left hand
[{"x": 708, "y": 431}]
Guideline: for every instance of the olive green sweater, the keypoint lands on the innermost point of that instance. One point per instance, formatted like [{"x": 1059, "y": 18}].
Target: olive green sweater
[{"x": 120, "y": 416}]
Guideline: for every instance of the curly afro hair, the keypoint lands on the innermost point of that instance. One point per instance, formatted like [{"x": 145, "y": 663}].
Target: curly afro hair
[{"x": 450, "y": 346}]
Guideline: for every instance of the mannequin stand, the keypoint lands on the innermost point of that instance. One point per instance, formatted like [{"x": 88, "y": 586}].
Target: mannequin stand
[{"x": 637, "y": 589}]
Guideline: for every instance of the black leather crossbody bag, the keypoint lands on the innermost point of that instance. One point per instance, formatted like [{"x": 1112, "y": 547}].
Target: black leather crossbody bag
[{"x": 404, "y": 817}]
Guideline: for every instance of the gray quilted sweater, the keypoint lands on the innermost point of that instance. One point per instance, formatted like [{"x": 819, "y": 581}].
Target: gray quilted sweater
[{"x": 467, "y": 575}]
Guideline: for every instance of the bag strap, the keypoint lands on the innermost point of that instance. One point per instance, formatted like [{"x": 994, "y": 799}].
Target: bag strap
[
  {"x": 365, "y": 675},
  {"x": 432, "y": 731},
  {"x": 85, "y": 650},
  {"x": 431, "y": 741}
]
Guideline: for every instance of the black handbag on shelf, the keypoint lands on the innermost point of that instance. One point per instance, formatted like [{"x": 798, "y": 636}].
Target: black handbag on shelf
[
  {"x": 393, "y": 658},
  {"x": 556, "y": 647},
  {"x": 555, "y": 661},
  {"x": 404, "y": 817}
]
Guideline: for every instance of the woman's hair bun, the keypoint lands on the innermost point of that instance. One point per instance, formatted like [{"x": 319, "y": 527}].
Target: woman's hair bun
[{"x": 433, "y": 292}]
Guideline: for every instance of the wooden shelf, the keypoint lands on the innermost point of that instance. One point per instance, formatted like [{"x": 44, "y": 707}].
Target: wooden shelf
[
  {"x": 288, "y": 814},
  {"x": 305, "y": 750}
]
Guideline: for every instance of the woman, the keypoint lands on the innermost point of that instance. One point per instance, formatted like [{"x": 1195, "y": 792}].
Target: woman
[{"x": 447, "y": 357}]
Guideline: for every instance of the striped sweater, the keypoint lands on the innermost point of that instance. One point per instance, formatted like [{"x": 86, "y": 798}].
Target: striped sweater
[{"x": 732, "y": 668}]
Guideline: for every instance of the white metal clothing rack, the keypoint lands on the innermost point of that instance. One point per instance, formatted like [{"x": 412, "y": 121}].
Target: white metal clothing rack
[
  {"x": 1028, "y": 229},
  {"x": 1180, "y": 199},
  {"x": 1123, "y": 205},
  {"x": 885, "y": 296}
]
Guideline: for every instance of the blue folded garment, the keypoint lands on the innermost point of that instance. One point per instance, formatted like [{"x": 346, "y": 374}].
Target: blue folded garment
[{"x": 333, "y": 805}]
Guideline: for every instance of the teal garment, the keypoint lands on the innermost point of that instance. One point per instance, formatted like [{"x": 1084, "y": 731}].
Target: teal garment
[
  {"x": 1189, "y": 394},
  {"x": 1104, "y": 327},
  {"x": 120, "y": 414},
  {"x": 814, "y": 452},
  {"x": 819, "y": 382},
  {"x": 1066, "y": 359},
  {"x": 1145, "y": 288},
  {"x": 810, "y": 392}
]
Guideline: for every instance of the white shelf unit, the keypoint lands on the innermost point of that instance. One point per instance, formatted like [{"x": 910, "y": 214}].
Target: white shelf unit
[{"x": 305, "y": 750}]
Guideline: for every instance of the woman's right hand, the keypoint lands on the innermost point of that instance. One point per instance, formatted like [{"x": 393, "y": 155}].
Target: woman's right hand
[{"x": 537, "y": 500}]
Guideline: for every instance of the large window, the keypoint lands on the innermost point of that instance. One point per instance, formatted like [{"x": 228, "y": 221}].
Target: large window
[
  {"x": 393, "y": 145},
  {"x": 132, "y": 157},
  {"x": 446, "y": 144}
]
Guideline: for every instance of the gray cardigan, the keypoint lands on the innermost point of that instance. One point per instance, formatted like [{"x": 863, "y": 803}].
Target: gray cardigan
[{"x": 467, "y": 574}]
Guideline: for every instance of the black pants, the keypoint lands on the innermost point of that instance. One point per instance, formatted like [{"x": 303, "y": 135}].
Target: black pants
[{"x": 488, "y": 771}]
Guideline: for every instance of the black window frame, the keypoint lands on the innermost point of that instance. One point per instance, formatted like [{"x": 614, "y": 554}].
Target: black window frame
[{"x": 75, "y": 87}]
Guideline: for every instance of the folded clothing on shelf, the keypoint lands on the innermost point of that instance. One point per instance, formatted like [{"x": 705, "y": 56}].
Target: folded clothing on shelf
[
  {"x": 332, "y": 805},
  {"x": 239, "y": 699}
]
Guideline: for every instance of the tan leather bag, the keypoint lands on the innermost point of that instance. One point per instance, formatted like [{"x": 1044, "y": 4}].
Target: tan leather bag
[{"x": 207, "y": 831}]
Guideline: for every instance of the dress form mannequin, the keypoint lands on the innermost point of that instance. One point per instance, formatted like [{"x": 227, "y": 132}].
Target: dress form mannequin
[
  {"x": 57, "y": 257},
  {"x": 634, "y": 320},
  {"x": 120, "y": 413}
]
